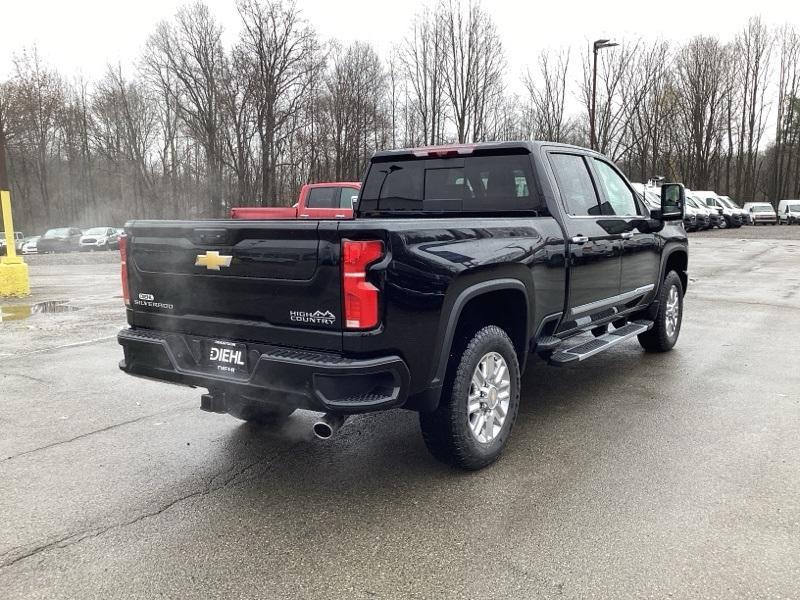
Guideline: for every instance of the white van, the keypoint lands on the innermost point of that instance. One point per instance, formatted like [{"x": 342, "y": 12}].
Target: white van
[
  {"x": 761, "y": 212},
  {"x": 789, "y": 212},
  {"x": 732, "y": 217}
]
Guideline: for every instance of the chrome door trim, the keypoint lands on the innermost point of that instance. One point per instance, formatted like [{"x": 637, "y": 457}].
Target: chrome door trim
[{"x": 618, "y": 299}]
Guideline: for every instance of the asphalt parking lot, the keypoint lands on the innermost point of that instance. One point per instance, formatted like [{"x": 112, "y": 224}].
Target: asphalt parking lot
[{"x": 628, "y": 476}]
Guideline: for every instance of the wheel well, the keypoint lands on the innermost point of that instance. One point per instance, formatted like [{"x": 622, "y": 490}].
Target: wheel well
[
  {"x": 507, "y": 309},
  {"x": 679, "y": 262}
]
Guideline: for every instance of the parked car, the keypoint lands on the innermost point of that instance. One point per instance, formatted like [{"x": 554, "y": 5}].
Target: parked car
[
  {"x": 789, "y": 211},
  {"x": 60, "y": 239},
  {"x": 692, "y": 219},
  {"x": 18, "y": 238},
  {"x": 729, "y": 202},
  {"x": 460, "y": 262},
  {"x": 761, "y": 213},
  {"x": 731, "y": 217},
  {"x": 334, "y": 200},
  {"x": 29, "y": 245},
  {"x": 99, "y": 238},
  {"x": 706, "y": 217}
]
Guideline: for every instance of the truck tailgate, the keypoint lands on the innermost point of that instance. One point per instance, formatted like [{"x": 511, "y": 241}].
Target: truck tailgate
[{"x": 276, "y": 282}]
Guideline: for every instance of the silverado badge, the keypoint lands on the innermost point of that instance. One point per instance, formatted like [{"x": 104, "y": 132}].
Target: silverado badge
[{"x": 212, "y": 261}]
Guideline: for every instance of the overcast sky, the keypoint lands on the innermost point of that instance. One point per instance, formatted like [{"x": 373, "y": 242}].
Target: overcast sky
[{"x": 82, "y": 36}]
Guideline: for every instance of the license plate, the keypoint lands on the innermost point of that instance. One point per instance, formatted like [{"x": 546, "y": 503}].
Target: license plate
[{"x": 226, "y": 357}]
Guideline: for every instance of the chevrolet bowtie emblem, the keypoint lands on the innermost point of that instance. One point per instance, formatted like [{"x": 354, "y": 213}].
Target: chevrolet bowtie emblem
[{"x": 212, "y": 261}]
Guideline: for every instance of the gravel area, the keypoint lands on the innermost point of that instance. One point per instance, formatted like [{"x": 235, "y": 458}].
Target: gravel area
[{"x": 753, "y": 232}]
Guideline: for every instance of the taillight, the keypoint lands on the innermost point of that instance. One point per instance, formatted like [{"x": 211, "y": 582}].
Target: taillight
[
  {"x": 123, "y": 268},
  {"x": 360, "y": 296}
]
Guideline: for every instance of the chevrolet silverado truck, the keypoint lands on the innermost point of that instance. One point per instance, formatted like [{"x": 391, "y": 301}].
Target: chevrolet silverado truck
[
  {"x": 463, "y": 262},
  {"x": 333, "y": 200}
]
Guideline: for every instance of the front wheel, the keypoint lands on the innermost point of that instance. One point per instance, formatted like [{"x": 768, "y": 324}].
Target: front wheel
[
  {"x": 479, "y": 402},
  {"x": 664, "y": 334}
]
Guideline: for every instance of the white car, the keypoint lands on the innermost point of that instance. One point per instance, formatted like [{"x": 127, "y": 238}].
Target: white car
[
  {"x": 18, "y": 238},
  {"x": 705, "y": 215},
  {"x": 789, "y": 211},
  {"x": 99, "y": 238},
  {"x": 761, "y": 212},
  {"x": 29, "y": 245}
]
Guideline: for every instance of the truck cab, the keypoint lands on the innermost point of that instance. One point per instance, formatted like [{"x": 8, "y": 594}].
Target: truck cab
[
  {"x": 789, "y": 212},
  {"x": 333, "y": 200}
]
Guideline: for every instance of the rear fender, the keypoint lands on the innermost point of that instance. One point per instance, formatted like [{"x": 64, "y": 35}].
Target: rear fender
[{"x": 452, "y": 320}]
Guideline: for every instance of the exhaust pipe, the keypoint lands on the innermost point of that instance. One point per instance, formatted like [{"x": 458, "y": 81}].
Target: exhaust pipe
[{"x": 327, "y": 425}]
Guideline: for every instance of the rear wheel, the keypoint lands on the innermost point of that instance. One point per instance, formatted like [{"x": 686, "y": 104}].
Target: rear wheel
[
  {"x": 479, "y": 402},
  {"x": 664, "y": 334},
  {"x": 254, "y": 411}
]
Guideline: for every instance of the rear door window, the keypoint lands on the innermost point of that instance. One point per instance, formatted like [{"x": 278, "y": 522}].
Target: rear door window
[
  {"x": 323, "y": 197},
  {"x": 575, "y": 184},
  {"x": 466, "y": 184}
]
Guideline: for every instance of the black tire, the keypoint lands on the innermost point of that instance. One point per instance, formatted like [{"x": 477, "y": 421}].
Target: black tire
[
  {"x": 659, "y": 338},
  {"x": 254, "y": 411},
  {"x": 446, "y": 431}
]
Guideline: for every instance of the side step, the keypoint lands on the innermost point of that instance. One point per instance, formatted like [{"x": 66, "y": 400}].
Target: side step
[{"x": 584, "y": 350}]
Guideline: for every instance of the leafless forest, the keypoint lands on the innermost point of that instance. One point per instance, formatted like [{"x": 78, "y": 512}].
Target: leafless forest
[{"x": 197, "y": 127}]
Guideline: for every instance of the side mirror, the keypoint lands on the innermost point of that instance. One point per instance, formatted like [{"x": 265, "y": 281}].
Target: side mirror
[{"x": 673, "y": 201}]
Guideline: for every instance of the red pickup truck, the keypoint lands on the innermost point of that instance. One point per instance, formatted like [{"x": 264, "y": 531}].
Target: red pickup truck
[{"x": 334, "y": 200}]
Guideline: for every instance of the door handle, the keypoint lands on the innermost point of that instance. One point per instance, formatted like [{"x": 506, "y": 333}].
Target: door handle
[
  {"x": 627, "y": 235},
  {"x": 580, "y": 239}
]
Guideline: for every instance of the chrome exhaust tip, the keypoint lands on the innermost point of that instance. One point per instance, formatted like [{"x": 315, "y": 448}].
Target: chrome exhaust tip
[{"x": 327, "y": 425}]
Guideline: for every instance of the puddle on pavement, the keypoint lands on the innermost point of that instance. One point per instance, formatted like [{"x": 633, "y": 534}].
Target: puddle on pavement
[{"x": 18, "y": 312}]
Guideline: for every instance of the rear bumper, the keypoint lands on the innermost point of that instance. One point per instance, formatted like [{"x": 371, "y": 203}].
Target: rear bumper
[{"x": 291, "y": 377}]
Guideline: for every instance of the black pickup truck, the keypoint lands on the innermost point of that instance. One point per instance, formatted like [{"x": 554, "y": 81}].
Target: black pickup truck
[{"x": 462, "y": 262}]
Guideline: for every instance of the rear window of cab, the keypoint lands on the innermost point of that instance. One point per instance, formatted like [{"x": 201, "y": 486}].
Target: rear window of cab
[{"x": 460, "y": 184}]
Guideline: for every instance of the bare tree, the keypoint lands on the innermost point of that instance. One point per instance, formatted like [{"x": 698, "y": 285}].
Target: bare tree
[
  {"x": 276, "y": 39},
  {"x": 702, "y": 69},
  {"x": 191, "y": 49},
  {"x": 474, "y": 63},
  {"x": 547, "y": 93},
  {"x": 787, "y": 127},
  {"x": 36, "y": 104},
  {"x": 752, "y": 52},
  {"x": 423, "y": 69}
]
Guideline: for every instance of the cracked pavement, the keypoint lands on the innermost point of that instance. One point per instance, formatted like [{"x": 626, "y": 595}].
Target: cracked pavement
[{"x": 628, "y": 476}]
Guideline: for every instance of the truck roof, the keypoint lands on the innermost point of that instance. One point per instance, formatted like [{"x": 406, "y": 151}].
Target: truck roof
[
  {"x": 324, "y": 184},
  {"x": 479, "y": 148}
]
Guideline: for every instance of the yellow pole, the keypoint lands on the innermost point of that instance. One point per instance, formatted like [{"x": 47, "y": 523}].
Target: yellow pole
[
  {"x": 8, "y": 224},
  {"x": 13, "y": 271}
]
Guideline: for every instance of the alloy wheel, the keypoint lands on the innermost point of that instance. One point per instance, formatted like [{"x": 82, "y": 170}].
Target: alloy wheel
[
  {"x": 673, "y": 311},
  {"x": 489, "y": 397}
]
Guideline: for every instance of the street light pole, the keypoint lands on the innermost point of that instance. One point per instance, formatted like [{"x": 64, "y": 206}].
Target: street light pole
[{"x": 597, "y": 45}]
